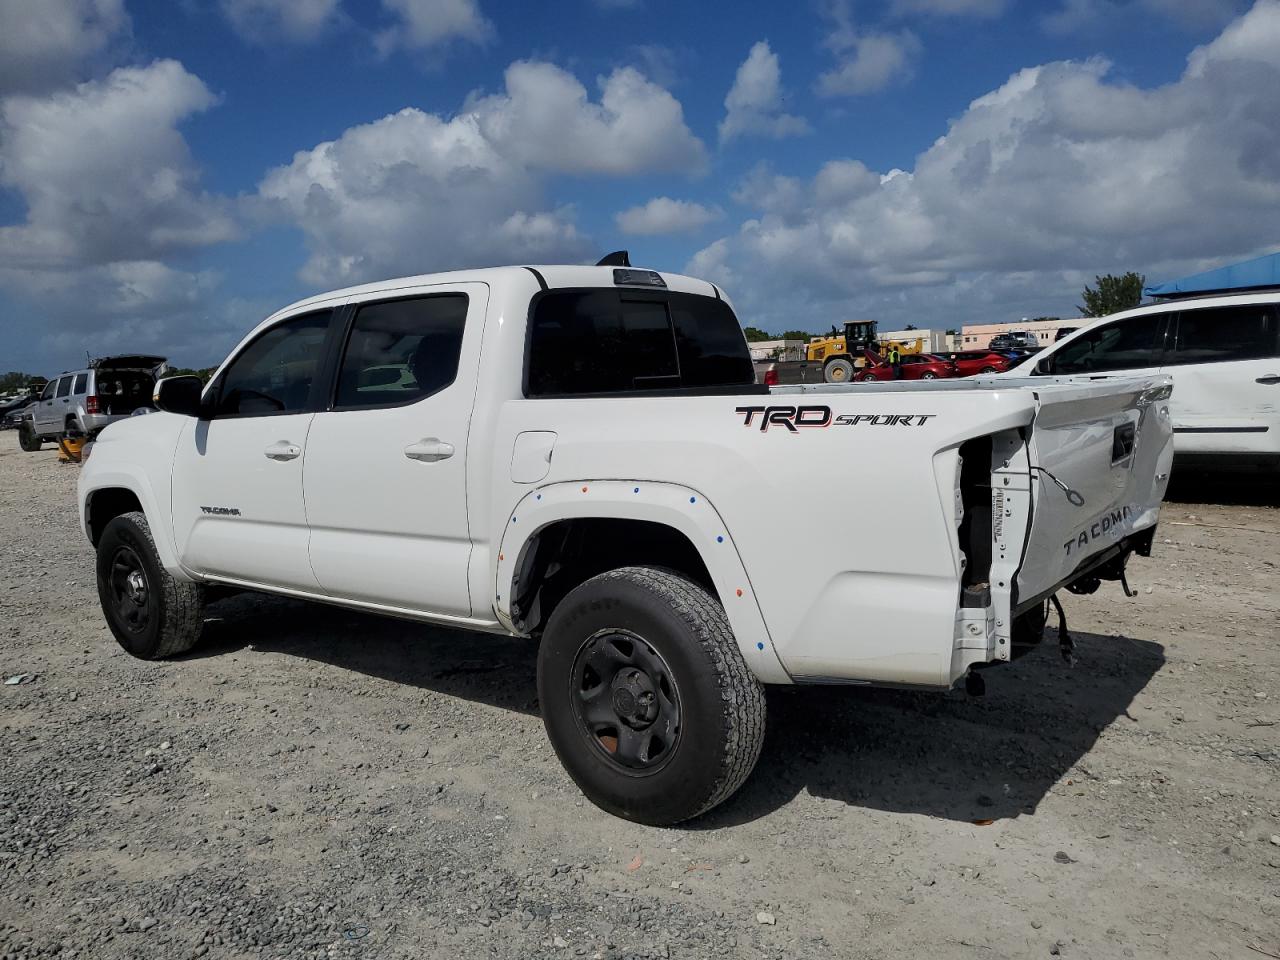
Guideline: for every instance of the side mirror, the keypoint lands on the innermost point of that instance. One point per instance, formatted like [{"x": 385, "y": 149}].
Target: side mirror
[{"x": 180, "y": 395}]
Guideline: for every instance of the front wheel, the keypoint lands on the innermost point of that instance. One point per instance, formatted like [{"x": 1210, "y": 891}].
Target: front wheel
[
  {"x": 28, "y": 439},
  {"x": 646, "y": 698},
  {"x": 151, "y": 614},
  {"x": 869, "y": 378},
  {"x": 838, "y": 371}
]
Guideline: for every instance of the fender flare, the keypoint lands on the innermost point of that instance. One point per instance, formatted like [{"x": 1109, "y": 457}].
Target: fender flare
[
  {"x": 136, "y": 482},
  {"x": 681, "y": 508}
]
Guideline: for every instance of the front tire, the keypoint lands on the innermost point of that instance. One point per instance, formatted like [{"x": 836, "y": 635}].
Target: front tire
[
  {"x": 28, "y": 439},
  {"x": 151, "y": 614},
  {"x": 646, "y": 698},
  {"x": 838, "y": 371}
]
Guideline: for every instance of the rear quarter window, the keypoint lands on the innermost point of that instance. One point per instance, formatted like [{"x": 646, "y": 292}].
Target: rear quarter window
[
  {"x": 82, "y": 383},
  {"x": 621, "y": 341}
]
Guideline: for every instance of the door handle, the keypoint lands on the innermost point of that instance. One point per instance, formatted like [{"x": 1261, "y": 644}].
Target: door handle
[
  {"x": 283, "y": 450},
  {"x": 429, "y": 450},
  {"x": 1273, "y": 378}
]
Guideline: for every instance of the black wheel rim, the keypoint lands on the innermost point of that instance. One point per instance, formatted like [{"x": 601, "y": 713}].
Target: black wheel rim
[
  {"x": 131, "y": 595},
  {"x": 626, "y": 702}
]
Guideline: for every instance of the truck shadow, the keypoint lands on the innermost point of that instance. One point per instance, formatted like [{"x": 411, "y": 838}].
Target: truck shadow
[{"x": 950, "y": 756}]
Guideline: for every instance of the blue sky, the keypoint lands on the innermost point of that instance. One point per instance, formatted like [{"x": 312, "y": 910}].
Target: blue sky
[{"x": 170, "y": 172}]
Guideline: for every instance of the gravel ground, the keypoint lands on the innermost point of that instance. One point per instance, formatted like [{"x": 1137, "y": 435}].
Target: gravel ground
[{"x": 317, "y": 783}]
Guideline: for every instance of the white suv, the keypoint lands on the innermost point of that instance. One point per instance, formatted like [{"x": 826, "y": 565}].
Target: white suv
[{"x": 1223, "y": 352}]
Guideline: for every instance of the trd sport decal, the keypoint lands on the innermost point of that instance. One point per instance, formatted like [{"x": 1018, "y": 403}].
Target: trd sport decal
[{"x": 792, "y": 418}]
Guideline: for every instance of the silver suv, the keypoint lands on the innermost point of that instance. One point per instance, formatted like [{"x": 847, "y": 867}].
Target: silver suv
[{"x": 84, "y": 401}]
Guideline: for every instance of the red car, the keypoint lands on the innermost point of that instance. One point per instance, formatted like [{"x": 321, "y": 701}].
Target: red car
[
  {"x": 915, "y": 366},
  {"x": 969, "y": 362}
]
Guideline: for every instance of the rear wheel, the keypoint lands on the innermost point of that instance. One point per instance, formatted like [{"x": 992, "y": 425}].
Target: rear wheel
[
  {"x": 151, "y": 614},
  {"x": 927, "y": 375},
  {"x": 28, "y": 439},
  {"x": 838, "y": 371},
  {"x": 988, "y": 370},
  {"x": 646, "y": 698}
]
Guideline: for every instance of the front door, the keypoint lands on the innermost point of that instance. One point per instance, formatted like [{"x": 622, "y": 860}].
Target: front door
[
  {"x": 1225, "y": 363},
  {"x": 385, "y": 475},
  {"x": 237, "y": 476}
]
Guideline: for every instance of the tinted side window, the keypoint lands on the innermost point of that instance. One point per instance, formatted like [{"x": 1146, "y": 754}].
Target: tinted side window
[
  {"x": 64, "y": 386},
  {"x": 402, "y": 350},
  {"x": 1225, "y": 333},
  {"x": 82, "y": 383},
  {"x": 273, "y": 374},
  {"x": 713, "y": 351},
  {"x": 48, "y": 390},
  {"x": 1124, "y": 345},
  {"x": 611, "y": 341}
]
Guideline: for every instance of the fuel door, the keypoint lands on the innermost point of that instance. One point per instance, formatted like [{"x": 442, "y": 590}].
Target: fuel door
[{"x": 531, "y": 455}]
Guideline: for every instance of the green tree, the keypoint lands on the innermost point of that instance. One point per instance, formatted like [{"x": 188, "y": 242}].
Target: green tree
[
  {"x": 1112, "y": 294},
  {"x": 14, "y": 381},
  {"x": 795, "y": 335},
  {"x": 755, "y": 334}
]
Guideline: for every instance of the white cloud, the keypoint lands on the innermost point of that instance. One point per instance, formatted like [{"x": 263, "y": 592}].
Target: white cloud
[
  {"x": 754, "y": 102},
  {"x": 415, "y": 192},
  {"x": 430, "y": 24},
  {"x": 1060, "y": 173},
  {"x": 104, "y": 172},
  {"x": 263, "y": 21},
  {"x": 1075, "y": 15},
  {"x": 664, "y": 215},
  {"x": 951, "y": 8},
  {"x": 546, "y": 121},
  {"x": 44, "y": 43},
  {"x": 866, "y": 60}
]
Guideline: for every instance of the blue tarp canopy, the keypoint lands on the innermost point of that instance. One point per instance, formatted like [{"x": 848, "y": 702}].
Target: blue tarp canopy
[{"x": 1249, "y": 275}]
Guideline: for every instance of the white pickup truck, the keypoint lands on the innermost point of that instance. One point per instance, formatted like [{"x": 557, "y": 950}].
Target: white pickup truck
[{"x": 580, "y": 455}]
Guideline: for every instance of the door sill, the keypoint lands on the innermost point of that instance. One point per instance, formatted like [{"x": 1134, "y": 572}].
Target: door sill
[{"x": 404, "y": 613}]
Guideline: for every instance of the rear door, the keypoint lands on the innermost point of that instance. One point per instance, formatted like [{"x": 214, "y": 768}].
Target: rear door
[
  {"x": 43, "y": 414},
  {"x": 386, "y": 470},
  {"x": 1225, "y": 363}
]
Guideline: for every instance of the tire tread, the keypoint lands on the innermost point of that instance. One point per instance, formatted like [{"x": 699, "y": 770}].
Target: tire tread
[
  {"x": 741, "y": 693},
  {"x": 182, "y": 609}
]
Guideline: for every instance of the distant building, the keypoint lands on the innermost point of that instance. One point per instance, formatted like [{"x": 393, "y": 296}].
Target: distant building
[
  {"x": 978, "y": 336},
  {"x": 777, "y": 349}
]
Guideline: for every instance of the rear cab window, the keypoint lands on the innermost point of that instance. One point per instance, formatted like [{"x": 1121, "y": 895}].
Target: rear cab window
[{"x": 604, "y": 341}]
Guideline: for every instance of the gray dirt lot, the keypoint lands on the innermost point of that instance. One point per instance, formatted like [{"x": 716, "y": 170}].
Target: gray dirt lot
[{"x": 318, "y": 783}]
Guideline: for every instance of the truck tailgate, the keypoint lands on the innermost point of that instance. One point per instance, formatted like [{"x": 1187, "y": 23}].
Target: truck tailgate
[{"x": 1100, "y": 453}]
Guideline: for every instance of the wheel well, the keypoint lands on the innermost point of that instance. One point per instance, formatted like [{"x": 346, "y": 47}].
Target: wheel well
[
  {"x": 104, "y": 506},
  {"x": 568, "y": 552}
]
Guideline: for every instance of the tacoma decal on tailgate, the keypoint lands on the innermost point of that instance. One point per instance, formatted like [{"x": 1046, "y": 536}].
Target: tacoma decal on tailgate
[
  {"x": 1109, "y": 525},
  {"x": 792, "y": 418}
]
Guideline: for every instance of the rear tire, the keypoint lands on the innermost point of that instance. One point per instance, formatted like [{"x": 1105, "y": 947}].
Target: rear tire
[
  {"x": 646, "y": 698},
  {"x": 988, "y": 370},
  {"x": 928, "y": 376},
  {"x": 28, "y": 439},
  {"x": 151, "y": 614},
  {"x": 838, "y": 371}
]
